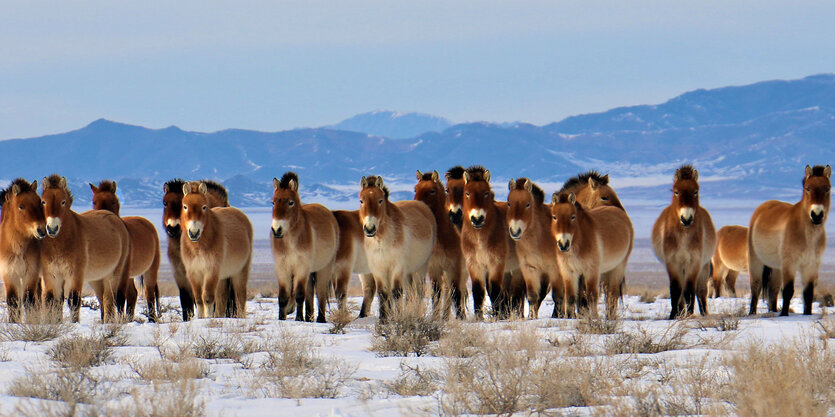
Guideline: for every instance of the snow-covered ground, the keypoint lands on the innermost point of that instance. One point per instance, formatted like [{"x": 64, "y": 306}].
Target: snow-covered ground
[{"x": 235, "y": 383}]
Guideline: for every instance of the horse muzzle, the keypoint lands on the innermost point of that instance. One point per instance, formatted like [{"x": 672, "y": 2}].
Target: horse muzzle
[
  {"x": 686, "y": 222},
  {"x": 40, "y": 233},
  {"x": 564, "y": 246},
  {"x": 817, "y": 218},
  {"x": 194, "y": 235},
  {"x": 173, "y": 231},
  {"x": 456, "y": 217},
  {"x": 53, "y": 232},
  {"x": 515, "y": 234},
  {"x": 278, "y": 233},
  {"x": 369, "y": 231},
  {"x": 477, "y": 222}
]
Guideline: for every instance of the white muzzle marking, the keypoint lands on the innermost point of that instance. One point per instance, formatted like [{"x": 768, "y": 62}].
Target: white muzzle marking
[
  {"x": 172, "y": 222},
  {"x": 516, "y": 228},
  {"x": 454, "y": 208},
  {"x": 817, "y": 209},
  {"x": 53, "y": 226},
  {"x": 195, "y": 229},
  {"x": 369, "y": 225},
  {"x": 564, "y": 241}
]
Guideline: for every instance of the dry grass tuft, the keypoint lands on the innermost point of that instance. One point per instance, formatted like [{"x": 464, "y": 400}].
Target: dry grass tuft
[
  {"x": 414, "y": 381},
  {"x": 339, "y": 319},
  {"x": 409, "y": 329},
  {"x": 295, "y": 369},
  {"x": 643, "y": 341},
  {"x": 460, "y": 340},
  {"x": 71, "y": 386},
  {"x": 39, "y": 325},
  {"x": 162, "y": 370},
  {"x": 593, "y": 325},
  {"x": 81, "y": 351}
]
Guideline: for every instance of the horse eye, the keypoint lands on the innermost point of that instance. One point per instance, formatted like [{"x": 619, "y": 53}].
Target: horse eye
[
  {"x": 446, "y": 190},
  {"x": 185, "y": 208},
  {"x": 604, "y": 198},
  {"x": 508, "y": 203},
  {"x": 20, "y": 206},
  {"x": 528, "y": 205},
  {"x": 807, "y": 189},
  {"x": 380, "y": 202},
  {"x": 433, "y": 192},
  {"x": 554, "y": 217},
  {"x": 205, "y": 207},
  {"x": 467, "y": 194},
  {"x": 362, "y": 202},
  {"x": 43, "y": 203},
  {"x": 695, "y": 193},
  {"x": 676, "y": 193},
  {"x": 486, "y": 194},
  {"x": 291, "y": 203},
  {"x": 573, "y": 217}
]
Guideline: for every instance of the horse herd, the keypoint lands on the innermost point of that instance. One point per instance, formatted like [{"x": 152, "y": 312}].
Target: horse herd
[{"x": 575, "y": 246}]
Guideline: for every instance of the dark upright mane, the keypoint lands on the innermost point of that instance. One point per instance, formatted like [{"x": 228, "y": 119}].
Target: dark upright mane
[
  {"x": 562, "y": 197},
  {"x": 476, "y": 172},
  {"x": 372, "y": 179},
  {"x": 583, "y": 179},
  {"x": 21, "y": 183},
  {"x": 686, "y": 172},
  {"x": 285, "y": 180},
  {"x": 107, "y": 186},
  {"x": 176, "y": 185},
  {"x": 217, "y": 189},
  {"x": 427, "y": 176},
  {"x": 455, "y": 173},
  {"x": 54, "y": 181},
  {"x": 538, "y": 194}
]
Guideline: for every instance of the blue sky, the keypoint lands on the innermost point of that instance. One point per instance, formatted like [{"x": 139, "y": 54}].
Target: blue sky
[{"x": 273, "y": 65}]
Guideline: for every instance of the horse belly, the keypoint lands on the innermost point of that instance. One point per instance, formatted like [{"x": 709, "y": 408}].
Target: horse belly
[{"x": 767, "y": 247}]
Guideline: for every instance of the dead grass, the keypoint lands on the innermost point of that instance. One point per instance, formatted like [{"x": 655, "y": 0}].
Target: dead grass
[
  {"x": 71, "y": 386},
  {"x": 593, "y": 325},
  {"x": 81, "y": 351},
  {"x": 827, "y": 326},
  {"x": 163, "y": 370},
  {"x": 294, "y": 368},
  {"x": 642, "y": 340},
  {"x": 340, "y": 318},
  {"x": 460, "y": 340},
  {"x": 722, "y": 323},
  {"x": 414, "y": 381},
  {"x": 38, "y": 325},
  {"x": 792, "y": 379},
  {"x": 409, "y": 329}
]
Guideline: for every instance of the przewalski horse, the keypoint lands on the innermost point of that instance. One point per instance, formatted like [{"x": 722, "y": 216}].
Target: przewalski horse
[
  {"x": 399, "y": 239},
  {"x": 172, "y": 203},
  {"x": 529, "y": 224},
  {"x": 729, "y": 259},
  {"x": 489, "y": 252},
  {"x": 350, "y": 258},
  {"x": 455, "y": 195},
  {"x": 591, "y": 189},
  {"x": 21, "y": 230},
  {"x": 446, "y": 266},
  {"x": 144, "y": 249},
  {"x": 684, "y": 239},
  {"x": 305, "y": 238},
  {"x": 92, "y": 247},
  {"x": 216, "y": 246},
  {"x": 786, "y": 239},
  {"x": 592, "y": 245}
]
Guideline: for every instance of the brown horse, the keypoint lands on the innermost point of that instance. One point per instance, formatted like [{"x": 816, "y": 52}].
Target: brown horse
[
  {"x": 93, "y": 247},
  {"x": 786, "y": 239},
  {"x": 591, "y": 189},
  {"x": 350, "y": 258},
  {"x": 144, "y": 249},
  {"x": 730, "y": 258},
  {"x": 304, "y": 244},
  {"x": 172, "y": 203},
  {"x": 217, "y": 244},
  {"x": 529, "y": 224},
  {"x": 21, "y": 230},
  {"x": 592, "y": 244},
  {"x": 489, "y": 252},
  {"x": 684, "y": 239},
  {"x": 446, "y": 266},
  {"x": 399, "y": 240},
  {"x": 455, "y": 195}
]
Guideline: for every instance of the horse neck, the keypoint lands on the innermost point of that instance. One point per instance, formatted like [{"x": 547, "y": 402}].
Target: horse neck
[
  {"x": 69, "y": 225},
  {"x": 541, "y": 218},
  {"x": 393, "y": 219},
  {"x": 16, "y": 236},
  {"x": 210, "y": 231},
  {"x": 439, "y": 210}
]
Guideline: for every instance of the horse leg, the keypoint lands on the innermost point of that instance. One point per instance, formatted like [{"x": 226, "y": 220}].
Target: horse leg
[
  {"x": 323, "y": 283},
  {"x": 213, "y": 305},
  {"x": 312, "y": 279},
  {"x": 384, "y": 302},
  {"x": 675, "y": 291},
  {"x": 74, "y": 299},
  {"x": 12, "y": 299},
  {"x": 369, "y": 287},
  {"x": 758, "y": 274},
  {"x": 150, "y": 286},
  {"x": 300, "y": 280},
  {"x": 440, "y": 306},
  {"x": 196, "y": 282},
  {"x": 284, "y": 294},
  {"x": 788, "y": 288},
  {"x": 239, "y": 283},
  {"x": 772, "y": 287},
  {"x": 532, "y": 290},
  {"x": 131, "y": 295},
  {"x": 341, "y": 277},
  {"x": 498, "y": 301},
  {"x": 730, "y": 282},
  {"x": 186, "y": 291},
  {"x": 98, "y": 288},
  {"x": 701, "y": 288},
  {"x": 808, "y": 295},
  {"x": 592, "y": 282},
  {"x": 458, "y": 291}
]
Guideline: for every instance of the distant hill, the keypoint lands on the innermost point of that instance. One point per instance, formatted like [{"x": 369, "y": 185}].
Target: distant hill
[
  {"x": 393, "y": 125},
  {"x": 748, "y": 142}
]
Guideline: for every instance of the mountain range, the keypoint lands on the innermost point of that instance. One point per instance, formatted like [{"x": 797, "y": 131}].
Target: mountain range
[{"x": 748, "y": 142}]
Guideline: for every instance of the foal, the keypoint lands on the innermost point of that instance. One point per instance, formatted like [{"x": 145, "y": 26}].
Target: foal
[
  {"x": 93, "y": 247},
  {"x": 730, "y": 258},
  {"x": 529, "y": 224},
  {"x": 21, "y": 230},
  {"x": 446, "y": 266},
  {"x": 683, "y": 239},
  {"x": 786, "y": 239},
  {"x": 144, "y": 249},
  {"x": 304, "y": 243}
]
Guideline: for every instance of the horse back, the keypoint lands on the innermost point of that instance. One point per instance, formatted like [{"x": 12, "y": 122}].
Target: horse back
[{"x": 144, "y": 244}]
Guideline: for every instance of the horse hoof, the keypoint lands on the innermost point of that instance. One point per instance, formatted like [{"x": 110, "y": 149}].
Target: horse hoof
[{"x": 321, "y": 319}]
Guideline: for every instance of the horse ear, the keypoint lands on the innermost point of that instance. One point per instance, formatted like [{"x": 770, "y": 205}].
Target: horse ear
[
  {"x": 186, "y": 189},
  {"x": 363, "y": 182},
  {"x": 605, "y": 179},
  {"x": 35, "y": 186},
  {"x": 808, "y": 171},
  {"x": 15, "y": 189},
  {"x": 486, "y": 175},
  {"x": 379, "y": 182},
  {"x": 554, "y": 198},
  {"x": 435, "y": 176},
  {"x": 466, "y": 177},
  {"x": 572, "y": 198},
  {"x": 419, "y": 175},
  {"x": 275, "y": 183},
  {"x": 510, "y": 185},
  {"x": 165, "y": 188},
  {"x": 63, "y": 183},
  {"x": 827, "y": 171},
  {"x": 202, "y": 188},
  {"x": 114, "y": 187},
  {"x": 677, "y": 176},
  {"x": 93, "y": 187},
  {"x": 528, "y": 185},
  {"x": 44, "y": 183},
  {"x": 592, "y": 183},
  {"x": 293, "y": 185},
  {"x": 695, "y": 175}
]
